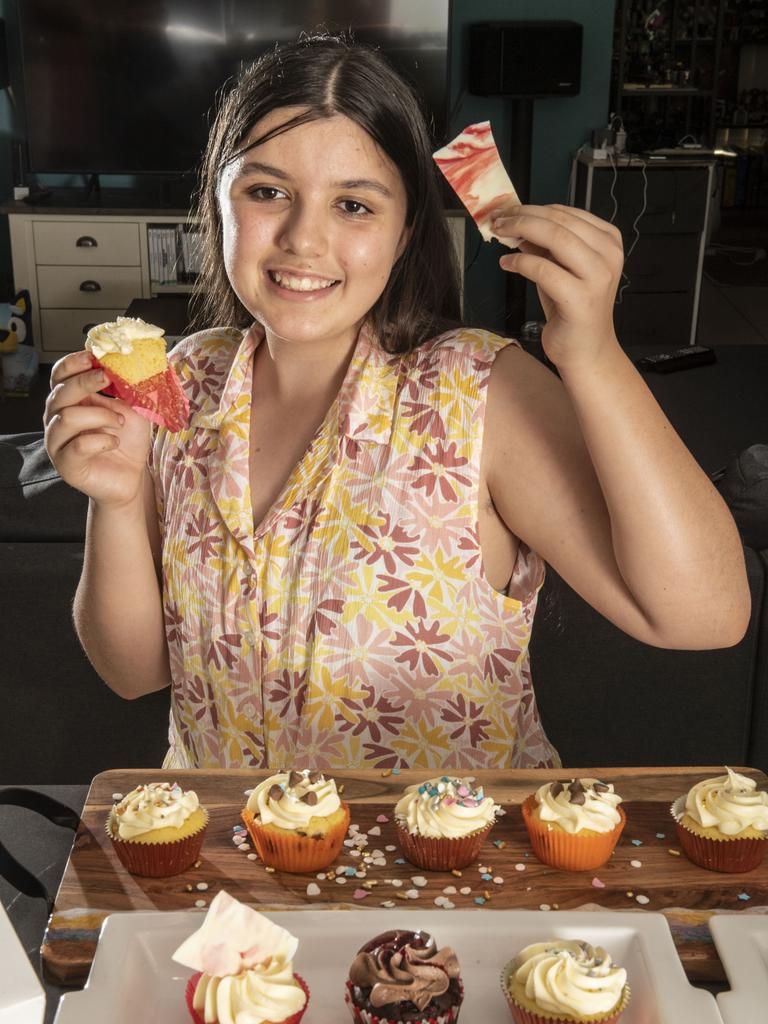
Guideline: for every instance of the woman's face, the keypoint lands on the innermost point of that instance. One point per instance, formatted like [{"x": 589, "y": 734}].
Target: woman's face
[{"x": 313, "y": 221}]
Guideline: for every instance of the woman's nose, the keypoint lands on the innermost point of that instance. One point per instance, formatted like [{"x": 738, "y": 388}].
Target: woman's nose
[{"x": 304, "y": 230}]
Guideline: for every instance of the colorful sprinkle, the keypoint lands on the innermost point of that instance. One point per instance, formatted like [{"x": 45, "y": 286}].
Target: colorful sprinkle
[
  {"x": 388, "y": 904},
  {"x": 642, "y": 899},
  {"x": 597, "y": 883},
  {"x": 382, "y": 818},
  {"x": 395, "y": 771},
  {"x": 360, "y": 894},
  {"x": 200, "y": 903},
  {"x": 350, "y": 872},
  {"x": 341, "y": 880},
  {"x": 544, "y": 906},
  {"x": 400, "y": 860},
  {"x": 498, "y": 880},
  {"x": 636, "y": 842},
  {"x": 636, "y": 863},
  {"x": 661, "y": 835},
  {"x": 480, "y": 900},
  {"x": 519, "y": 867},
  {"x": 485, "y": 876},
  {"x": 202, "y": 886},
  {"x": 419, "y": 880},
  {"x": 465, "y": 890},
  {"x": 375, "y": 831},
  {"x": 313, "y": 889},
  {"x": 744, "y": 896},
  {"x": 673, "y": 853},
  {"x": 412, "y": 894},
  {"x": 252, "y": 856},
  {"x": 499, "y": 844}
]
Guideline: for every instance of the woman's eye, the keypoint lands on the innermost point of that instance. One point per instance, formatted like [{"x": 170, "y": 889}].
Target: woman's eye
[
  {"x": 352, "y": 206},
  {"x": 265, "y": 192}
]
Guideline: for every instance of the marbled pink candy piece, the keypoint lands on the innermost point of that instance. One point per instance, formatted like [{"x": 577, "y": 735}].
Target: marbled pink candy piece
[{"x": 473, "y": 168}]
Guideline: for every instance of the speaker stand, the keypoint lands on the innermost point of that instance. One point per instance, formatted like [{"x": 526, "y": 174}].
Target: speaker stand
[{"x": 521, "y": 147}]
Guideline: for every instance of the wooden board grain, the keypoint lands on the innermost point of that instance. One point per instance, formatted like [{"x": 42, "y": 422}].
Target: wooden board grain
[{"x": 95, "y": 883}]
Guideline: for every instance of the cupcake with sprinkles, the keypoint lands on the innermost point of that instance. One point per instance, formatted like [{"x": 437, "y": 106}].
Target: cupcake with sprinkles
[
  {"x": 722, "y": 823},
  {"x": 564, "y": 981},
  {"x": 157, "y": 830},
  {"x": 442, "y": 824},
  {"x": 574, "y": 825},
  {"x": 297, "y": 820}
]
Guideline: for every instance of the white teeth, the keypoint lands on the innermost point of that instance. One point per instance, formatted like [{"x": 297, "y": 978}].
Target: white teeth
[{"x": 300, "y": 284}]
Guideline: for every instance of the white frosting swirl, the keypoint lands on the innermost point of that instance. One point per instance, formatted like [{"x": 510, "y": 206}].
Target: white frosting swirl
[
  {"x": 579, "y": 804},
  {"x": 119, "y": 335},
  {"x": 305, "y": 794},
  {"x": 729, "y": 803},
  {"x": 267, "y": 992},
  {"x": 569, "y": 976},
  {"x": 148, "y": 808},
  {"x": 445, "y": 807}
]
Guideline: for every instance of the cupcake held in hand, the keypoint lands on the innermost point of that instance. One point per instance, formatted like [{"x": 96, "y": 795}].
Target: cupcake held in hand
[
  {"x": 244, "y": 965},
  {"x": 564, "y": 981},
  {"x": 442, "y": 823},
  {"x": 574, "y": 825},
  {"x": 157, "y": 830},
  {"x": 722, "y": 823},
  {"x": 401, "y": 976},
  {"x": 297, "y": 820}
]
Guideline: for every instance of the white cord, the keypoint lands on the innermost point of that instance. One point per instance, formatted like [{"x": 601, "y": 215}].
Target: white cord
[{"x": 636, "y": 239}]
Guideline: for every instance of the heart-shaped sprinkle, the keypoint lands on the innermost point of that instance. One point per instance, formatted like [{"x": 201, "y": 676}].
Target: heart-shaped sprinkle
[{"x": 313, "y": 889}]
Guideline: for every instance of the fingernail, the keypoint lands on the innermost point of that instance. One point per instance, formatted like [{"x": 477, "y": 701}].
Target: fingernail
[{"x": 121, "y": 419}]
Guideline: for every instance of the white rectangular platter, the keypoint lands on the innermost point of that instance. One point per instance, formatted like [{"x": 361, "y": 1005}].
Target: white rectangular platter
[
  {"x": 133, "y": 976},
  {"x": 22, "y": 1000},
  {"x": 742, "y": 945}
]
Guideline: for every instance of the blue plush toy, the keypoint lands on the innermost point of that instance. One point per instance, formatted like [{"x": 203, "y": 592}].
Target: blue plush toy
[{"x": 19, "y": 359}]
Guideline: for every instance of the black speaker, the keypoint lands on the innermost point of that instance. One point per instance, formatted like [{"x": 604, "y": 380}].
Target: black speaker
[
  {"x": 5, "y": 80},
  {"x": 525, "y": 58}
]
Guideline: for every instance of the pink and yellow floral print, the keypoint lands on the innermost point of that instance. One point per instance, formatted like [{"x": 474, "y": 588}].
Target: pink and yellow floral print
[{"x": 354, "y": 626}]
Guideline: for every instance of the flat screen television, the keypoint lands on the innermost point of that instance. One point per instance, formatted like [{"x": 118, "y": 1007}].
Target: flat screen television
[{"x": 125, "y": 87}]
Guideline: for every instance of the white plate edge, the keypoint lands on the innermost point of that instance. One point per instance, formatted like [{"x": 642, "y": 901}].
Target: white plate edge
[{"x": 744, "y": 967}]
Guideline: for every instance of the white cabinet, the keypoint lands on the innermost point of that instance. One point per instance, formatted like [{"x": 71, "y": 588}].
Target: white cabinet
[{"x": 81, "y": 270}]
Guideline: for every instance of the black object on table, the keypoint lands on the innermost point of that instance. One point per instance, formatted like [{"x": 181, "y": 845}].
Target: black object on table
[{"x": 42, "y": 847}]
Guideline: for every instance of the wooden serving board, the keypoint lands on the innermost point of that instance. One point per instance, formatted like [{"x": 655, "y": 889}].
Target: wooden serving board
[{"x": 95, "y": 883}]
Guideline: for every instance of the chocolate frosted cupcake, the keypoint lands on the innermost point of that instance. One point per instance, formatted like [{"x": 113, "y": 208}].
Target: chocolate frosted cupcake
[
  {"x": 442, "y": 824},
  {"x": 403, "y": 976},
  {"x": 722, "y": 823},
  {"x": 564, "y": 981},
  {"x": 157, "y": 830},
  {"x": 574, "y": 825},
  {"x": 297, "y": 821}
]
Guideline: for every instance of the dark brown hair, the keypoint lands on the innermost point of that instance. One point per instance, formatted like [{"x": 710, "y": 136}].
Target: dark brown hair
[{"x": 329, "y": 75}]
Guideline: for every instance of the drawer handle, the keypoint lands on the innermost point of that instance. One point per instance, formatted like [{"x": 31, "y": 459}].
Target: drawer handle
[
  {"x": 90, "y": 286},
  {"x": 86, "y": 242},
  {"x": 87, "y": 327}
]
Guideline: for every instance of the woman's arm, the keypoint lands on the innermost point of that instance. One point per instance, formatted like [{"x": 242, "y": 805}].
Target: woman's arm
[
  {"x": 588, "y": 471},
  {"x": 99, "y": 445},
  {"x": 120, "y": 625}
]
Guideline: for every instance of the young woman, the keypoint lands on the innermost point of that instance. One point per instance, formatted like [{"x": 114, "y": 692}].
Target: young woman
[{"x": 337, "y": 564}]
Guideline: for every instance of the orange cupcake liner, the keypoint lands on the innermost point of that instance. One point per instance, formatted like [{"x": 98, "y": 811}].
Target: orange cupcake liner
[
  {"x": 158, "y": 860},
  {"x": 444, "y": 854},
  {"x": 294, "y": 853},
  {"x": 198, "y": 1018},
  {"x": 729, "y": 855},
  {"x": 568, "y": 851},
  {"x": 521, "y": 1015}
]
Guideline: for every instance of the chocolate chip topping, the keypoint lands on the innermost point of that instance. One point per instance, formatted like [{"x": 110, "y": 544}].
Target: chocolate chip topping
[
  {"x": 557, "y": 789},
  {"x": 315, "y": 776},
  {"x": 275, "y": 792},
  {"x": 600, "y": 787},
  {"x": 576, "y": 793},
  {"x": 294, "y": 778},
  {"x": 310, "y": 798}
]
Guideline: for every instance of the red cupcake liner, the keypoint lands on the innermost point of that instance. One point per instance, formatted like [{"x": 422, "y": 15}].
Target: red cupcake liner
[
  {"x": 568, "y": 851},
  {"x": 729, "y": 855},
  {"x": 444, "y": 854},
  {"x": 159, "y": 398},
  {"x": 158, "y": 860},
  {"x": 189, "y": 995},
  {"x": 362, "y": 1016},
  {"x": 292, "y": 852}
]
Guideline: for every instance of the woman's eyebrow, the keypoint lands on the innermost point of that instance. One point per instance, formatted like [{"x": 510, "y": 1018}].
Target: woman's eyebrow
[{"x": 256, "y": 167}]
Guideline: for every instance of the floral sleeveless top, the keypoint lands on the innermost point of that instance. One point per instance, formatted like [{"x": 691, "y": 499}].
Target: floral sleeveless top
[{"x": 354, "y": 626}]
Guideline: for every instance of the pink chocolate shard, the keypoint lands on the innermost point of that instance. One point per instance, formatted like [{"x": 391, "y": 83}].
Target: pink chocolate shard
[{"x": 473, "y": 168}]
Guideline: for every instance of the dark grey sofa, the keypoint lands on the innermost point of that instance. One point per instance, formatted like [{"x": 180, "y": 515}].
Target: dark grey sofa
[{"x": 605, "y": 698}]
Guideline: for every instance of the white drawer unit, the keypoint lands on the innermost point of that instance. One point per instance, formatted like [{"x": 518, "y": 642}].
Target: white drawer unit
[
  {"x": 107, "y": 244},
  {"x": 91, "y": 287},
  {"x": 64, "y": 330}
]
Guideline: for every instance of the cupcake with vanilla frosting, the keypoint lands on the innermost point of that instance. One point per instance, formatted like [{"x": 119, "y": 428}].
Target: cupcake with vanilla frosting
[
  {"x": 297, "y": 820},
  {"x": 157, "y": 829},
  {"x": 243, "y": 965},
  {"x": 574, "y": 825},
  {"x": 442, "y": 823},
  {"x": 564, "y": 981},
  {"x": 722, "y": 823},
  {"x": 402, "y": 976}
]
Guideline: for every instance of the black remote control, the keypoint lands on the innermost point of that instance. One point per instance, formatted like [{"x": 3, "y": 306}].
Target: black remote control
[{"x": 680, "y": 359}]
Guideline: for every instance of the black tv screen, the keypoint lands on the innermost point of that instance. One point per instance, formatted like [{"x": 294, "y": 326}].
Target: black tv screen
[{"x": 126, "y": 87}]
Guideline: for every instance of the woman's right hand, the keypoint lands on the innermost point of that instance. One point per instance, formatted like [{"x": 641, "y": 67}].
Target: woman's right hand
[{"x": 99, "y": 445}]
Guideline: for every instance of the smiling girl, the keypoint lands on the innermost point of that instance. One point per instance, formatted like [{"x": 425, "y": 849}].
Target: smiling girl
[{"x": 338, "y": 563}]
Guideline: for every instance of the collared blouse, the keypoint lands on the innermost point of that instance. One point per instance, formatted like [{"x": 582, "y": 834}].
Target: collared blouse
[{"x": 354, "y": 626}]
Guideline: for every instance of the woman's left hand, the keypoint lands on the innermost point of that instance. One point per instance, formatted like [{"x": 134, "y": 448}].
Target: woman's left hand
[{"x": 575, "y": 260}]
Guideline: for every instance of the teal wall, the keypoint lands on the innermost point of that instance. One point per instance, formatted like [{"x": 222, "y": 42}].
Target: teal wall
[{"x": 559, "y": 126}]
